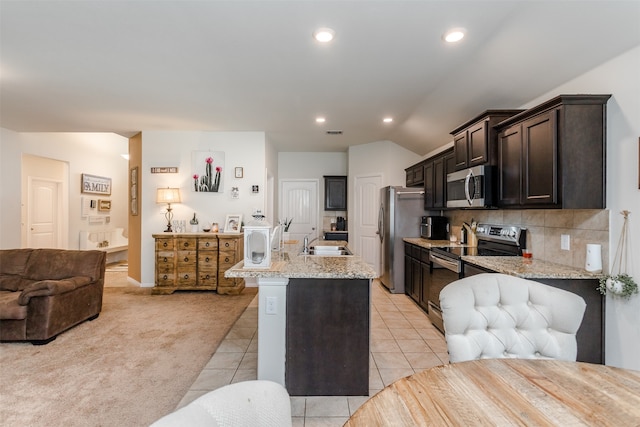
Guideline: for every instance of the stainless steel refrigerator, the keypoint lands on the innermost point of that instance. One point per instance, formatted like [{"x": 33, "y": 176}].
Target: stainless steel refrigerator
[{"x": 399, "y": 216}]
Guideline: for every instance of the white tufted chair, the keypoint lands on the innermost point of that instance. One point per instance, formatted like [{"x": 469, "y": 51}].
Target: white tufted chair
[
  {"x": 249, "y": 403},
  {"x": 499, "y": 316}
]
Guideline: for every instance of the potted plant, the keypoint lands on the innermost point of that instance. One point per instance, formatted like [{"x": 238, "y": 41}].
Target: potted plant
[
  {"x": 194, "y": 223},
  {"x": 285, "y": 228},
  {"x": 621, "y": 284}
]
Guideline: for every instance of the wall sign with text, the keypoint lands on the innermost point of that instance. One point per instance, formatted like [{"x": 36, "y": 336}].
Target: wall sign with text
[{"x": 96, "y": 184}]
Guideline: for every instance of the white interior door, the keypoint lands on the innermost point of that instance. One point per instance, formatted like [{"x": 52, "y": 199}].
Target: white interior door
[
  {"x": 43, "y": 213},
  {"x": 299, "y": 200},
  {"x": 367, "y": 200}
]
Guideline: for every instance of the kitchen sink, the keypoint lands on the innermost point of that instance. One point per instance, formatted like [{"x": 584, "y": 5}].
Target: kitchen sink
[{"x": 329, "y": 251}]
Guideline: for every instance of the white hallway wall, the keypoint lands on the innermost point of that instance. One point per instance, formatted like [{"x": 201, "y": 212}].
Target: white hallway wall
[
  {"x": 165, "y": 148},
  {"x": 618, "y": 77},
  {"x": 294, "y": 165},
  {"x": 92, "y": 153}
]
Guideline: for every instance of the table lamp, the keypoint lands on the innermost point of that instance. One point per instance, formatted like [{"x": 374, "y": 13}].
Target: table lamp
[{"x": 168, "y": 196}]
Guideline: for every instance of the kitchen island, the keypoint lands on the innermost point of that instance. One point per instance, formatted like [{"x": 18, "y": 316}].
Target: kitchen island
[{"x": 313, "y": 321}]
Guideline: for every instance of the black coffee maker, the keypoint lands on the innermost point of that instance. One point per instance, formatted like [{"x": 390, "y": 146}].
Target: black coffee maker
[{"x": 341, "y": 224}]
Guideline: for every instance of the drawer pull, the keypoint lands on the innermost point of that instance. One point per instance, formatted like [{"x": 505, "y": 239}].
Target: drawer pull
[
  {"x": 227, "y": 244},
  {"x": 186, "y": 276},
  {"x": 164, "y": 277},
  {"x": 165, "y": 244},
  {"x": 226, "y": 259},
  {"x": 165, "y": 259},
  {"x": 207, "y": 244},
  {"x": 207, "y": 276},
  {"x": 207, "y": 259},
  {"x": 186, "y": 244},
  {"x": 186, "y": 259}
]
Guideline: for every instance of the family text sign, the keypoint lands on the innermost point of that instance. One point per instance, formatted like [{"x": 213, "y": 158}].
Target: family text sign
[{"x": 96, "y": 184}]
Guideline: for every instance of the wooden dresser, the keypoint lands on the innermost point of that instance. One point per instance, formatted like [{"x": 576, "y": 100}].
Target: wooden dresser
[{"x": 197, "y": 261}]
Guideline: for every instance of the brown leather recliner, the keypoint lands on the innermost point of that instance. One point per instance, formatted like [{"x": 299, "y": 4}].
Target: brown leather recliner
[{"x": 44, "y": 292}]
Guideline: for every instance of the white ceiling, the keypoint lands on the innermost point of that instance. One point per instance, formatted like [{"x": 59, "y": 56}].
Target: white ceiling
[{"x": 126, "y": 66}]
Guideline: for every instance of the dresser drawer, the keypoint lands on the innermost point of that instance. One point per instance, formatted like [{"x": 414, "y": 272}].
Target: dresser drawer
[
  {"x": 164, "y": 244},
  {"x": 165, "y": 279},
  {"x": 207, "y": 259},
  {"x": 207, "y": 278},
  {"x": 227, "y": 244},
  {"x": 207, "y": 244},
  {"x": 185, "y": 277},
  {"x": 186, "y": 258},
  {"x": 186, "y": 244},
  {"x": 226, "y": 260}
]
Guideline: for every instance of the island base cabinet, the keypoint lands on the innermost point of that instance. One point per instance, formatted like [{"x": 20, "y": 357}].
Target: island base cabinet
[{"x": 327, "y": 337}]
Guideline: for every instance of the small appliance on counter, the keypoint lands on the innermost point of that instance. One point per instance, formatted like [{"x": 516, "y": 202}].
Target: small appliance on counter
[
  {"x": 341, "y": 224},
  {"x": 434, "y": 227}
]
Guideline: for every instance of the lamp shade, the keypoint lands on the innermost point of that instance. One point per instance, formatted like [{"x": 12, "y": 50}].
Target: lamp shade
[{"x": 168, "y": 195}]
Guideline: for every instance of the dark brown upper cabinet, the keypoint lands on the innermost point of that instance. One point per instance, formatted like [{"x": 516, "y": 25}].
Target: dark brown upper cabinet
[
  {"x": 415, "y": 175},
  {"x": 335, "y": 193},
  {"x": 475, "y": 142},
  {"x": 436, "y": 169},
  {"x": 553, "y": 155}
]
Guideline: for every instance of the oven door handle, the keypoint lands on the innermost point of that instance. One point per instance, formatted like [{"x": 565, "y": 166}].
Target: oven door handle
[{"x": 446, "y": 263}]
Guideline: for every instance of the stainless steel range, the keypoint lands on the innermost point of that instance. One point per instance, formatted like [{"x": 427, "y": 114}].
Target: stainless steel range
[{"x": 446, "y": 262}]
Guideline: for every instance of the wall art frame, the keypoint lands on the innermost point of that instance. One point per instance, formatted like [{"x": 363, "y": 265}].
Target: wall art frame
[
  {"x": 233, "y": 223},
  {"x": 207, "y": 168},
  {"x": 93, "y": 184},
  {"x": 104, "y": 205},
  {"x": 133, "y": 191}
]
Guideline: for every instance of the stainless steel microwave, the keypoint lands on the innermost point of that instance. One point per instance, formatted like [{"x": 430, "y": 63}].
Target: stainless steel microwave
[{"x": 471, "y": 188}]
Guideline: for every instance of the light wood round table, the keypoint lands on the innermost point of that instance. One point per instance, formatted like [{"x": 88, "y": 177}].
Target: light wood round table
[{"x": 507, "y": 392}]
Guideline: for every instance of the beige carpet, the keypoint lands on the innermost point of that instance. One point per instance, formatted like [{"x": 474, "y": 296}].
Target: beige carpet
[{"x": 128, "y": 367}]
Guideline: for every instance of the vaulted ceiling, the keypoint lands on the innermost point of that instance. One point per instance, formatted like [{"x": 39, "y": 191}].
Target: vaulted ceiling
[{"x": 135, "y": 65}]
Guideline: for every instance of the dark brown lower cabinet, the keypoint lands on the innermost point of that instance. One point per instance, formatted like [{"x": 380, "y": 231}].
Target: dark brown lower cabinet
[{"x": 328, "y": 337}]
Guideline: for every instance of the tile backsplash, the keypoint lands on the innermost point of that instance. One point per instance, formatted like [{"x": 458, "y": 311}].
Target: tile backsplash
[{"x": 544, "y": 228}]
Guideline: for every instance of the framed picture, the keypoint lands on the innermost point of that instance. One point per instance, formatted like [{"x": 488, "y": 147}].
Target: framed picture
[
  {"x": 233, "y": 223},
  {"x": 95, "y": 184},
  {"x": 239, "y": 172},
  {"x": 133, "y": 190},
  {"x": 207, "y": 169},
  {"x": 104, "y": 205}
]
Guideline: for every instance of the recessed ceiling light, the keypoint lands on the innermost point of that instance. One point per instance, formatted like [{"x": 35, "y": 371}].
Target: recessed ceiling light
[
  {"x": 320, "y": 120},
  {"x": 324, "y": 35},
  {"x": 454, "y": 35},
  {"x": 387, "y": 120}
]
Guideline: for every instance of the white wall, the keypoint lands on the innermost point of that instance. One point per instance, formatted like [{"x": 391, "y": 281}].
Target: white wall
[
  {"x": 92, "y": 153},
  {"x": 618, "y": 77},
  {"x": 297, "y": 165},
  {"x": 163, "y": 149},
  {"x": 384, "y": 157}
]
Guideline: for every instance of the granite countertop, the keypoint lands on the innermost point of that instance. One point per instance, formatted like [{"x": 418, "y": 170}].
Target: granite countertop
[
  {"x": 513, "y": 265},
  {"x": 428, "y": 244},
  {"x": 529, "y": 268},
  {"x": 291, "y": 264}
]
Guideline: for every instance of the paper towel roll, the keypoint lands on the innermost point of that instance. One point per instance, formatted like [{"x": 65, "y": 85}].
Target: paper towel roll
[{"x": 594, "y": 258}]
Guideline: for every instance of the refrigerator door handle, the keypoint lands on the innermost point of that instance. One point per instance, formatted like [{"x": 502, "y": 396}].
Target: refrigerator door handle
[{"x": 380, "y": 231}]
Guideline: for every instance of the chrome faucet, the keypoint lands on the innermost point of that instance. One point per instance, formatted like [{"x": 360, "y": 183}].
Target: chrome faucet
[{"x": 305, "y": 244}]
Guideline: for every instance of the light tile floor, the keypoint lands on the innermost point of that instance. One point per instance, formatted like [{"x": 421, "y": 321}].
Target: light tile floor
[{"x": 403, "y": 342}]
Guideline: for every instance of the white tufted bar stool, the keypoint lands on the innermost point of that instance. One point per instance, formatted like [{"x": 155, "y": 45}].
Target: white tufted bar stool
[{"x": 495, "y": 315}]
